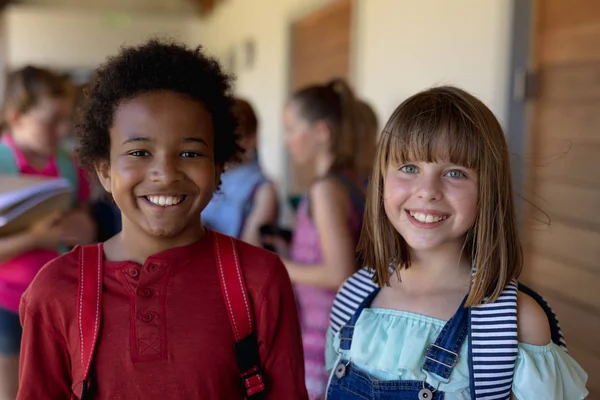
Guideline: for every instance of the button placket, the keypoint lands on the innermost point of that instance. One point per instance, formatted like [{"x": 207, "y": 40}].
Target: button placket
[{"x": 149, "y": 334}]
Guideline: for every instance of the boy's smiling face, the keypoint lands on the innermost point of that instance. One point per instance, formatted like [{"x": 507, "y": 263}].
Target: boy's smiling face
[{"x": 162, "y": 171}]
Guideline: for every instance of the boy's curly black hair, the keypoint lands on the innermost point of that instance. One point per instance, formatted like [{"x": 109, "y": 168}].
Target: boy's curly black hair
[{"x": 156, "y": 65}]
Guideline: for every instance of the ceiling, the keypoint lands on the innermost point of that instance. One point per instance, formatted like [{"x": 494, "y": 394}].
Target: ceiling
[{"x": 204, "y": 7}]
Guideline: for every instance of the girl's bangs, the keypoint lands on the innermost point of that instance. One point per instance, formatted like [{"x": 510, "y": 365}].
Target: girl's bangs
[{"x": 434, "y": 136}]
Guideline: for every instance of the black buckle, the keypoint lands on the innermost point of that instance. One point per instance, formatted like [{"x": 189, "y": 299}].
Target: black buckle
[
  {"x": 84, "y": 389},
  {"x": 246, "y": 353}
]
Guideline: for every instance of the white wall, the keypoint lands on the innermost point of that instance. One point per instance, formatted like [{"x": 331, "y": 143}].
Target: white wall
[
  {"x": 266, "y": 84},
  {"x": 404, "y": 46},
  {"x": 82, "y": 38},
  {"x": 399, "y": 48}
]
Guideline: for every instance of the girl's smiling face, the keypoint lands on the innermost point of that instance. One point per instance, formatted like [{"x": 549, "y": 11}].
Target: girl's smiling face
[{"x": 431, "y": 204}]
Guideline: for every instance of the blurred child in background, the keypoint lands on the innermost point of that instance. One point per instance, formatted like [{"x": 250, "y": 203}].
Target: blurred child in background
[
  {"x": 246, "y": 199},
  {"x": 36, "y": 117}
]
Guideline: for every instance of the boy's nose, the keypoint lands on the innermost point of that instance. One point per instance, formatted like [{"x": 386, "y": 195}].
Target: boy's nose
[{"x": 165, "y": 170}]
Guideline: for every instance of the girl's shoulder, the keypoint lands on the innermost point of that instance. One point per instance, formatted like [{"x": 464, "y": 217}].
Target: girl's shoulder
[
  {"x": 350, "y": 295},
  {"x": 536, "y": 321}
]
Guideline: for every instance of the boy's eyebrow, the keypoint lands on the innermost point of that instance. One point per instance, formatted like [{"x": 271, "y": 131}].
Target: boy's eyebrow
[
  {"x": 195, "y": 140},
  {"x": 134, "y": 139}
]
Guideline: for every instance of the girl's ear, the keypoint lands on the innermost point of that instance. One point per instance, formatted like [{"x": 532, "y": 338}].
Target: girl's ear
[
  {"x": 323, "y": 131},
  {"x": 12, "y": 117},
  {"x": 104, "y": 175}
]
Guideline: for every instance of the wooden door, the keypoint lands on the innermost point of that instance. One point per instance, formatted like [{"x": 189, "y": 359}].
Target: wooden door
[
  {"x": 320, "y": 52},
  {"x": 563, "y": 259}
]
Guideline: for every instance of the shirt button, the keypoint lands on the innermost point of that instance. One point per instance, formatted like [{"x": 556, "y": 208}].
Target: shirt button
[
  {"x": 134, "y": 273},
  {"x": 146, "y": 292},
  {"x": 153, "y": 267},
  {"x": 147, "y": 317}
]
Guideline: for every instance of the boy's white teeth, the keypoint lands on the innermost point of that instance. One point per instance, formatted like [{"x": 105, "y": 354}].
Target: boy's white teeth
[
  {"x": 165, "y": 200},
  {"x": 427, "y": 218}
]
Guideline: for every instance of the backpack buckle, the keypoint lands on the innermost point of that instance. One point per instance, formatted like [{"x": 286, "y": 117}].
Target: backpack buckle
[
  {"x": 84, "y": 389},
  {"x": 253, "y": 381}
]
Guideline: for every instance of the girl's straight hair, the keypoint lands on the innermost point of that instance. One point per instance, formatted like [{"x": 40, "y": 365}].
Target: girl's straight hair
[{"x": 448, "y": 124}]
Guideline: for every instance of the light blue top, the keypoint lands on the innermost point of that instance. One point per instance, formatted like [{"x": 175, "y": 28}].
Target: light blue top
[
  {"x": 390, "y": 344},
  {"x": 233, "y": 202}
]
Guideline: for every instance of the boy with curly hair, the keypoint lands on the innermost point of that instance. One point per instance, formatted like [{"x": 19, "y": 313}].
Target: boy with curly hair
[{"x": 157, "y": 129}]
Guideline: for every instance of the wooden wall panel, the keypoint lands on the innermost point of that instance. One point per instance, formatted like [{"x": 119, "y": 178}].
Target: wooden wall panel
[
  {"x": 556, "y": 199},
  {"x": 321, "y": 45},
  {"x": 564, "y": 161},
  {"x": 320, "y": 51},
  {"x": 575, "y": 121},
  {"x": 562, "y": 260},
  {"x": 570, "y": 83},
  {"x": 568, "y": 241}
]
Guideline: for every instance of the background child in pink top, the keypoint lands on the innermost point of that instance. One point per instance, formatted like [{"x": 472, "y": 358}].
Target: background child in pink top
[{"x": 36, "y": 117}]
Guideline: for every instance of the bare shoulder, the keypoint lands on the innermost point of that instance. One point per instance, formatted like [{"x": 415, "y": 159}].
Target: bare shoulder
[
  {"x": 266, "y": 189},
  {"x": 533, "y": 326},
  {"x": 328, "y": 189},
  {"x": 266, "y": 195}
]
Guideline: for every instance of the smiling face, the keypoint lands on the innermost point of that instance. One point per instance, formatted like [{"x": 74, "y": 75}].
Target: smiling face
[
  {"x": 431, "y": 204},
  {"x": 162, "y": 172}
]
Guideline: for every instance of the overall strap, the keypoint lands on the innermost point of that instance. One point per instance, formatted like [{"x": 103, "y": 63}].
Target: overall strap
[
  {"x": 347, "y": 331},
  {"x": 349, "y": 298},
  {"x": 89, "y": 307},
  {"x": 493, "y": 346},
  {"x": 442, "y": 356},
  {"x": 68, "y": 170},
  {"x": 8, "y": 162},
  {"x": 240, "y": 314}
]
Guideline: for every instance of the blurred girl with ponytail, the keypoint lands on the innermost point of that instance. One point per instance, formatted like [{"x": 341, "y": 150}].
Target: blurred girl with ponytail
[{"x": 322, "y": 129}]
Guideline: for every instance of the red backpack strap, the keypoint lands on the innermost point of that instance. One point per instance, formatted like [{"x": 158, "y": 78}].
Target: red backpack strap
[
  {"x": 240, "y": 313},
  {"x": 89, "y": 306}
]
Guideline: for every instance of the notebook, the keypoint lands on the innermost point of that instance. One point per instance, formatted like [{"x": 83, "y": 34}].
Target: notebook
[{"x": 27, "y": 199}]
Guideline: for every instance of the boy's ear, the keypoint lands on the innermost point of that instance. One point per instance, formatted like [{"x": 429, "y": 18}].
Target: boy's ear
[{"x": 103, "y": 172}]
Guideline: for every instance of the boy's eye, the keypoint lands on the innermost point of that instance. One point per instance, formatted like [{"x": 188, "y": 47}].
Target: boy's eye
[
  {"x": 190, "y": 154},
  {"x": 409, "y": 169},
  {"x": 456, "y": 174},
  {"x": 139, "y": 153}
]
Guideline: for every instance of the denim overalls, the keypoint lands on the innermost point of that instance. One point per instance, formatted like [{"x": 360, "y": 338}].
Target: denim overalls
[{"x": 349, "y": 382}]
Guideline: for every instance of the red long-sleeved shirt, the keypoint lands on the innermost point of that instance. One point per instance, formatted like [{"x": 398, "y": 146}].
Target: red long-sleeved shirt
[{"x": 184, "y": 351}]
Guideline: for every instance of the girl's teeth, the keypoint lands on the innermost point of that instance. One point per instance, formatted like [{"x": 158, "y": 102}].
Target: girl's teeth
[
  {"x": 427, "y": 218},
  {"x": 165, "y": 200}
]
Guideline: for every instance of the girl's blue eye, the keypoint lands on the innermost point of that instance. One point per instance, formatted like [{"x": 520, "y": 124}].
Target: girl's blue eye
[
  {"x": 409, "y": 169},
  {"x": 455, "y": 174}
]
